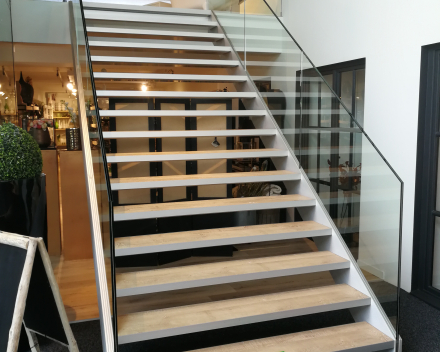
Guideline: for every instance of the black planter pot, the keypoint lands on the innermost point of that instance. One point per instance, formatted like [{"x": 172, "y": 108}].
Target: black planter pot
[
  {"x": 23, "y": 207},
  {"x": 73, "y": 139},
  {"x": 41, "y": 137}
]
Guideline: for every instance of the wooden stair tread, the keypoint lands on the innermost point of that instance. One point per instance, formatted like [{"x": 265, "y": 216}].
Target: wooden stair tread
[
  {"x": 212, "y": 315},
  {"x": 164, "y": 61},
  {"x": 195, "y": 155},
  {"x": 148, "y": 281},
  {"x": 95, "y": 42},
  {"x": 335, "y": 339},
  {"x": 188, "y": 133},
  {"x": 182, "y": 113},
  {"x": 202, "y": 179},
  {"x": 216, "y": 237},
  {"x": 169, "y": 77},
  {"x": 158, "y": 33},
  {"x": 148, "y": 211},
  {"x": 176, "y": 94}
]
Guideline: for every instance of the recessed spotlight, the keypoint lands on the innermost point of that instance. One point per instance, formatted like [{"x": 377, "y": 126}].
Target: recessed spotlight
[
  {"x": 1, "y": 93},
  {"x": 70, "y": 86},
  {"x": 144, "y": 88}
]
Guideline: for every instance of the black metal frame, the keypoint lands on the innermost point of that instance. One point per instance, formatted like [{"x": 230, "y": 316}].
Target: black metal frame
[{"x": 425, "y": 211}]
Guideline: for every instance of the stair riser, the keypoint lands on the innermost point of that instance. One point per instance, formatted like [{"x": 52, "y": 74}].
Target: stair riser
[
  {"x": 165, "y": 61},
  {"x": 231, "y": 279},
  {"x": 201, "y": 182},
  {"x": 243, "y": 321},
  {"x": 212, "y": 210}
]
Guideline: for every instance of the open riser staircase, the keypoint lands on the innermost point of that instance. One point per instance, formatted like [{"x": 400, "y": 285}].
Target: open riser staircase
[{"x": 193, "y": 251}]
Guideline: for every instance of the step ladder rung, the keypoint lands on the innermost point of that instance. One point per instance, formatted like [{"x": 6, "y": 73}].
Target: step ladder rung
[
  {"x": 134, "y": 245},
  {"x": 215, "y": 315},
  {"x": 179, "y": 278},
  {"x": 226, "y": 205}
]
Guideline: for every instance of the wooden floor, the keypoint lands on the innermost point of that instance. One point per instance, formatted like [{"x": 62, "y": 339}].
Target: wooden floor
[{"x": 76, "y": 280}]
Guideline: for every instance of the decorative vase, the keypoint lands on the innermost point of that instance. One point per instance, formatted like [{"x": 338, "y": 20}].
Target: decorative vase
[
  {"x": 42, "y": 137},
  {"x": 73, "y": 139},
  {"x": 23, "y": 207}
]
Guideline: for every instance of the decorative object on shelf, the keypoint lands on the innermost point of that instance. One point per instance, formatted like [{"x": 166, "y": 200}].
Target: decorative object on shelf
[
  {"x": 27, "y": 91},
  {"x": 39, "y": 130},
  {"x": 73, "y": 139},
  {"x": 22, "y": 185}
]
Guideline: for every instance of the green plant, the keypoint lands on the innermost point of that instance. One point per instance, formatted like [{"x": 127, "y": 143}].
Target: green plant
[{"x": 20, "y": 156}]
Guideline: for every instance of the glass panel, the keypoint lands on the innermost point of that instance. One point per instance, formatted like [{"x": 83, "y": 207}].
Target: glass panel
[
  {"x": 8, "y": 107},
  {"x": 89, "y": 117},
  {"x": 360, "y": 191},
  {"x": 436, "y": 264}
]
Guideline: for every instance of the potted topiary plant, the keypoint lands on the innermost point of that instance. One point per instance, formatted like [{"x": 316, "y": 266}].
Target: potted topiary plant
[{"x": 22, "y": 184}]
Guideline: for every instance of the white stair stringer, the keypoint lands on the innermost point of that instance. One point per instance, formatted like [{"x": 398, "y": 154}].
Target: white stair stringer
[{"x": 374, "y": 313}]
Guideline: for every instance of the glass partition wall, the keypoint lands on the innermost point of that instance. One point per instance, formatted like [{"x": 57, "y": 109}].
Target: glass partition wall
[
  {"x": 8, "y": 104},
  {"x": 354, "y": 182}
]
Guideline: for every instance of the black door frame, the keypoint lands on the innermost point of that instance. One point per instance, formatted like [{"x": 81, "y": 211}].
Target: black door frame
[{"x": 425, "y": 211}]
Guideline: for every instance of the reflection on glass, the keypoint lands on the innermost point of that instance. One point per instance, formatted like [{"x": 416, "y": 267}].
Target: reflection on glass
[
  {"x": 8, "y": 108},
  {"x": 360, "y": 96}
]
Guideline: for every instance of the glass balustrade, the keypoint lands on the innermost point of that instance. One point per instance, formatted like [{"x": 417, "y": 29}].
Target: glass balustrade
[
  {"x": 360, "y": 191},
  {"x": 100, "y": 196}
]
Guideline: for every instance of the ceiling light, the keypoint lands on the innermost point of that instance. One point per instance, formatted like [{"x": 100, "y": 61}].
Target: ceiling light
[
  {"x": 70, "y": 86},
  {"x": 74, "y": 90},
  {"x": 6, "y": 98},
  {"x": 74, "y": 94},
  {"x": 1, "y": 93},
  {"x": 144, "y": 88}
]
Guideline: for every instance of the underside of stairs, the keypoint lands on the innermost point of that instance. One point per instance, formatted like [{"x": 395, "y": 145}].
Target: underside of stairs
[{"x": 202, "y": 242}]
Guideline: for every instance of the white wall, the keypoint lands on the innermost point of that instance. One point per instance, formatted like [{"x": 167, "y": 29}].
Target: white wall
[{"x": 389, "y": 34}]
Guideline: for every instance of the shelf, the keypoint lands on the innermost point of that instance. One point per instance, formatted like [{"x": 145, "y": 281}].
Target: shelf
[
  {"x": 61, "y": 111},
  {"x": 61, "y": 117}
]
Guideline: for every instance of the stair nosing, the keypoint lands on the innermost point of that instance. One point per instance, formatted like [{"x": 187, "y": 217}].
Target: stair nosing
[
  {"x": 258, "y": 272},
  {"x": 273, "y": 233}
]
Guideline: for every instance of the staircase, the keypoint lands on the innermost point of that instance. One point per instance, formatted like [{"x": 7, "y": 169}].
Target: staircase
[{"x": 188, "y": 258}]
